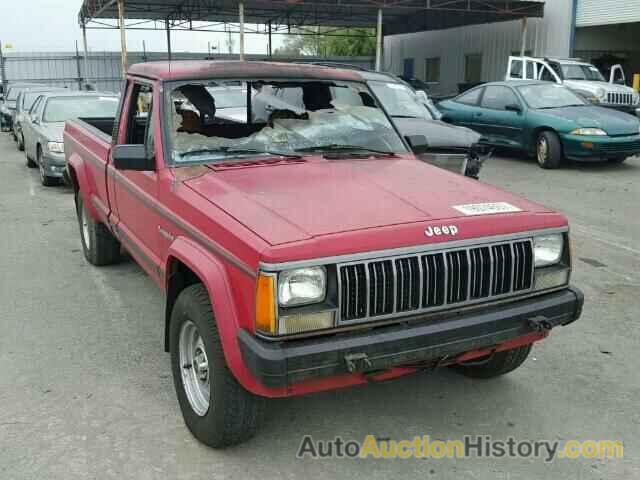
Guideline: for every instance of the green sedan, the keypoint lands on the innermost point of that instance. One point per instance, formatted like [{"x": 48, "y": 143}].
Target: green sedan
[{"x": 547, "y": 120}]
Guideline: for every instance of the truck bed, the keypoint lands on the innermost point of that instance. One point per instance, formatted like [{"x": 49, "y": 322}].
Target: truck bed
[{"x": 103, "y": 124}]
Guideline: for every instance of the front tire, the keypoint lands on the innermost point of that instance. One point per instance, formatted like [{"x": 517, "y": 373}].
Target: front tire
[
  {"x": 30, "y": 163},
  {"x": 45, "y": 179},
  {"x": 496, "y": 365},
  {"x": 100, "y": 247},
  {"x": 216, "y": 408},
  {"x": 548, "y": 150}
]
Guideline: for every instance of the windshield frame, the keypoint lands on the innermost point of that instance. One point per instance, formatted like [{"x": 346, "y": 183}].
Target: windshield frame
[
  {"x": 519, "y": 88},
  {"x": 168, "y": 86}
]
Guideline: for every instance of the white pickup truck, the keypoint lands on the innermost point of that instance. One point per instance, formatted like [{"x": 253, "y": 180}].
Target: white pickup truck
[{"x": 580, "y": 76}]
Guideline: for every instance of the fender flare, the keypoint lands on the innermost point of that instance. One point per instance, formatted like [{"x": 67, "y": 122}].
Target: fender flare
[
  {"x": 76, "y": 167},
  {"x": 213, "y": 274}
]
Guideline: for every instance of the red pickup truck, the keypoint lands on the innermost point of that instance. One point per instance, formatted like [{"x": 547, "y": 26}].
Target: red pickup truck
[{"x": 306, "y": 250}]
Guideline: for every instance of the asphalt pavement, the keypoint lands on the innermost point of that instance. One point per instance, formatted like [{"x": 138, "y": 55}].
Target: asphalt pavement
[{"x": 86, "y": 389}]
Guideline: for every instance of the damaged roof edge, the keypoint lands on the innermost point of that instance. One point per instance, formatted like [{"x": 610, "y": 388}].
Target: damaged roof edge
[{"x": 203, "y": 69}]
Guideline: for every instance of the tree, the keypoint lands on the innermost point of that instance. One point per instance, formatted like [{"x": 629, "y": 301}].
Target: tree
[{"x": 349, "y": 42}]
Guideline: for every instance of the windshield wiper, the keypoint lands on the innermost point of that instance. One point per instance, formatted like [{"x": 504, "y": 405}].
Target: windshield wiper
[
  {"x": 334, "y": 147},
  {"x": 239, "y": 151}
]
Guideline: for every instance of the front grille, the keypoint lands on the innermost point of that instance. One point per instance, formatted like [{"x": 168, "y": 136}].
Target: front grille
[
  {"x": 408, "y": 284},
  {"x": 620, "y": 147},
  {"x": 619, "y": 98}
]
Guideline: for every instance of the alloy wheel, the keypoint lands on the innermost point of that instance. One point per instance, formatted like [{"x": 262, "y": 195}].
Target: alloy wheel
[
  {"x": 543, "y": 150},
  {"x": 194, "y": 364}
]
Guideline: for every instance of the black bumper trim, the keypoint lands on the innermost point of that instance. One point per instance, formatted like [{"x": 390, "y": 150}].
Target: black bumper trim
[{"x": 278, "y": 364}]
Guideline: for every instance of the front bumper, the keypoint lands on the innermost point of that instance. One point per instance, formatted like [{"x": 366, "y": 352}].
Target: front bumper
[
  {"x": 418, "y": 340},
  {"x": 54, "y": 164},
  {"x": 585, "y": 147}
]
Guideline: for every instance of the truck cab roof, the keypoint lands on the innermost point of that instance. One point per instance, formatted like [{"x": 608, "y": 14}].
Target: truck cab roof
[{"x": 206, "y": 69}]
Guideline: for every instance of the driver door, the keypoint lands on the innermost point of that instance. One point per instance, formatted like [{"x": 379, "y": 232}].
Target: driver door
[
  {"x": 501, "y": 116},
  {"x": 136, "y": 192}
]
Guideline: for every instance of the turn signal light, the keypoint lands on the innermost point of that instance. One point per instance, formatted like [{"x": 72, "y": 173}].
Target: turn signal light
[{"x": 265, "y": 304}]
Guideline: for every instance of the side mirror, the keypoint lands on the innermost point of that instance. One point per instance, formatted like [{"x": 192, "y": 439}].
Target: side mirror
[
  {"x": 35, "y": 120},
  {"x": 513, "y": 107},
  {"x": 418, "y": 143},
  {"x": 131, "y": 157}
]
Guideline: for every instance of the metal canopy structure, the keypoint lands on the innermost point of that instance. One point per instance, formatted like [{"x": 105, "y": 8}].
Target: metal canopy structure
[{"x": 280, "y": 16}]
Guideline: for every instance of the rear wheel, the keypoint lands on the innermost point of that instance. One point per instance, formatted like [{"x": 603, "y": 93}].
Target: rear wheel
[
  {"x": 548, "y": 150},
  {"x": 100, "y": 247},
  {"x": 216, "y": 408},
  {"x": 495, "y": 365}
]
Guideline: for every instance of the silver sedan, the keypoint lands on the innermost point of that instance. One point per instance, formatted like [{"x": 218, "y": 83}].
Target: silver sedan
[{"x": 43, "y": 129}]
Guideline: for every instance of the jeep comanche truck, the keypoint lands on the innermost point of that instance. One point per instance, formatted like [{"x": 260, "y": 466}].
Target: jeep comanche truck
[{"x": 307, "y": 251}]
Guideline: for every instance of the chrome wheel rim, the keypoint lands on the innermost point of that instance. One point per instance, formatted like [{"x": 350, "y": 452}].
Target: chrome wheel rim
[
  {"x": 85, "y": 228},
  {"x": 543, "y": 150},
  {"x": 194, "y": 366}
]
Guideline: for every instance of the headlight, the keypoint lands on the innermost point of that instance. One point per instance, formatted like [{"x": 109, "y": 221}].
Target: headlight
[
  {"x": 547, "y": 249},
  {"x": 302, "y": 286},
  {"x": 55, "y": 147},
  {"x": 588, "y": 131},
  {"x": 601, "y": 93}
]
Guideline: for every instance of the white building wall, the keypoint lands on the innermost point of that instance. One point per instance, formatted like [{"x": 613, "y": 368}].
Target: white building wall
[
  {"x": 550, "y": 36},
  {"x": 607, "y": 12}
]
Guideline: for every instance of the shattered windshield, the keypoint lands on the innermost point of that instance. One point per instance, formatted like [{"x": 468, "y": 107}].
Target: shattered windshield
[{"x": 212, "y": 122}]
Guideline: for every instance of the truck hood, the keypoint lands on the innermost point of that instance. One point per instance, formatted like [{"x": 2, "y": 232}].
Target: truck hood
[
  {"x": 285, "y": 201},
  {"x": 611, "y": 121},
  {"x": 439, "y": 134},
  {"x": 593, "y": 86}
]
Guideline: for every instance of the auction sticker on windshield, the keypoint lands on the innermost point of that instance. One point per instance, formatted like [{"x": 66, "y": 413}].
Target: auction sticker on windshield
[{"x": 486, "y": 208}]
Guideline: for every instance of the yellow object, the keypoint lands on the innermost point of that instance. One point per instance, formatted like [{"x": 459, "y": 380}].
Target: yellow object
[
  {"x": 265, "y": 304},
  {"x": 636, "y": 82}
]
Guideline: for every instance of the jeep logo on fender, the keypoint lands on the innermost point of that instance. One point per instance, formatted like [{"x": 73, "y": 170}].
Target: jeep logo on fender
[{"x": 442, "y": 230}]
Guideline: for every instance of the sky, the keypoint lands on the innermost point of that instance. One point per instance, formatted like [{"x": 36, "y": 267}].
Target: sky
[{"x": 52, "y": 26}]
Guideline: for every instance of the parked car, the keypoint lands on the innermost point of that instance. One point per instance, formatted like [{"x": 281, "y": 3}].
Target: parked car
[
  {"x": 582, "y": 77},
  {"x": 310, "y": 251},
  {"x": 8, "y": 105},
  {"x": 545, "y": 119},
  {"x": 42, "y": 131},
  {"x": 26, "y": 99}
]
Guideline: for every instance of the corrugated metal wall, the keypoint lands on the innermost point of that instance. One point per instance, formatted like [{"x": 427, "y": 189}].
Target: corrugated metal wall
[
  {"x": 67, "y": 69},
  {"x": 607, "y": 12},
  {"x": 496, "y": 41}
]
